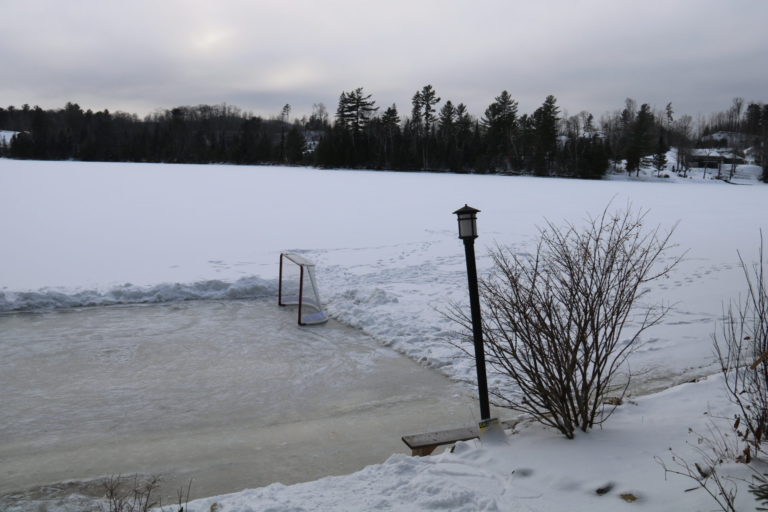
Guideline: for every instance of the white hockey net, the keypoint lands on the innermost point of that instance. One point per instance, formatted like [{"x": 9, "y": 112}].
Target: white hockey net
[{"x": 297, "y": 287}]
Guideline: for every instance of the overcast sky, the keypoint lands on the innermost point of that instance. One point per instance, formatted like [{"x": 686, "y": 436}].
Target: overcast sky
[{"x": 141, "y": 55}]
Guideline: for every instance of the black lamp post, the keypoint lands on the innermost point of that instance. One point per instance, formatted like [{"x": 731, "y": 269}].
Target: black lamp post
[{"x": 468, "y": 232}]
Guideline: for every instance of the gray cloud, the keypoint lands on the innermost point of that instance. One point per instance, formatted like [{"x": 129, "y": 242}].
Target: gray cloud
[{"x": 141, "y": 55}]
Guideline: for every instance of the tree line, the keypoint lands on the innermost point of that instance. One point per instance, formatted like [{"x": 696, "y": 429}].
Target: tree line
[
  {"x": 435, "y": 135},
  {"x": 201, "y": 134}
]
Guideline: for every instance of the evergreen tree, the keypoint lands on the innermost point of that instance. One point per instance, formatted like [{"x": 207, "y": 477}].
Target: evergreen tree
[
  {"x": 447, "y": 151},
  {"x": 447, "y": 118},
  {"x": 500, "y": 122},
  {"x": 467, "y": 141},
  {"x": 660, "y": 157},
  {"x": 22, "y": 146},
  {"x": 284, "y": 116},
  {"x": 669, "y": 113},
  {"x": 343, "y": 112},
  {"x": 753, "y": 119},
  {"x": 390, "y": 124},
  {"x": 763, "y": 143},
  {"x": 348, "y": 143},
  {"x": 417, "y": 105},
  {"x": 41, "y": 136},
  {"x": 545, "y": 120},
  {"x": 423, "y": 118},
  {"x": 355, "y": 110},
  {"x": 641, "y": 138},
  {"x": 295, "y": 145},
  {"x": 429, "y": 100}
]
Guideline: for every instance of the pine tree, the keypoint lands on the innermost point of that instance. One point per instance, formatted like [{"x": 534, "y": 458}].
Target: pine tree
[
  {"x": 660, "y": 157},
  {"x": 417, "y": 105},
  {"x": 466, "y": 143},
  {"x": 284, "y": 115},
  {"x": 295, "y": 144},
  {"x": 669, "y": 113},
  {"x": 640, "y": 138},
  {"x": 500, "y": 122},
  {"x": 391, "y": 120},
  {"x": 355, "y": 110},
  {"x": 447, "y": 150},
  {"x": 545, "y": 121},
  {"x": 343, "y": 113},
  {"x": 422, "y": 120},
  {"x": 447, "y": 118},
  {"x": 428, "y": 101},
  {"x": 390, "y": 123}
]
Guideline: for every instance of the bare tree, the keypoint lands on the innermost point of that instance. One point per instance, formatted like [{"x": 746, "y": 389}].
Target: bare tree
[
  {"x": 742, "y": 349},
  {"x": 682, "y": 133},
  {"x": 558, "y": 322}
]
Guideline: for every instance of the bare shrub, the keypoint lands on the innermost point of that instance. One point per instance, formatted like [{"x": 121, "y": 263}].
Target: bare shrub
[
  {"x": 742, "y": 349},
  {"x": 130, "y": 494},
  {"x": 714, "y": 449},
  {"x": 137, "y": 494},
  {"x": 562, "y": 322},
  {"x": 759, "y": 489}
]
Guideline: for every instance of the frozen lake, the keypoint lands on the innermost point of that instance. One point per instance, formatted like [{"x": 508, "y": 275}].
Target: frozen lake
[
  {"x": 232, "y": 394},
  {"x": 227, "y": 389}
]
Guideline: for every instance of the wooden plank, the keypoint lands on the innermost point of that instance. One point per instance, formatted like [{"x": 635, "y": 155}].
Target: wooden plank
[
  {"x": 441, "y": 437},
  {"x": 425, "y": 443}
]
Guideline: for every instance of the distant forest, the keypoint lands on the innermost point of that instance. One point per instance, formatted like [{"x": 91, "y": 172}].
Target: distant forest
[{"x": 435, "y": 135}]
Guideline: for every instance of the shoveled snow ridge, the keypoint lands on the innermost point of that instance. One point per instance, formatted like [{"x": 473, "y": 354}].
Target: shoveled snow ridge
[{"x": 47, "y": 299}]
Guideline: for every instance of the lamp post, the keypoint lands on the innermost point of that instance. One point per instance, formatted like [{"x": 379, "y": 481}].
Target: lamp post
[{"x": 467, "y": 217}]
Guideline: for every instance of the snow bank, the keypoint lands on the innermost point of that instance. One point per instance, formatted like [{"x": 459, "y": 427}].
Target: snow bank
[{"x": 47, "y": 299}]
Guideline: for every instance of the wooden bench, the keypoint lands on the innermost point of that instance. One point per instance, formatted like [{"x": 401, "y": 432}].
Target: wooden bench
[{"x": 425, "y": 444}]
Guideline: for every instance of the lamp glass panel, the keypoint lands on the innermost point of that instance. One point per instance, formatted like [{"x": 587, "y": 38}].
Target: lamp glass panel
[{"x": 467, "y": 226}]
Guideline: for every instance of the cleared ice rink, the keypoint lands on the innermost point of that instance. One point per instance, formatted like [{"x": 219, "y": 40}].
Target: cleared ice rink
[{"x": 232, "y": 394}]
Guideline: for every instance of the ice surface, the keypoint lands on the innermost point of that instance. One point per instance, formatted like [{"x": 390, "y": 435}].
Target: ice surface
[{"x": 230, "y": 393}]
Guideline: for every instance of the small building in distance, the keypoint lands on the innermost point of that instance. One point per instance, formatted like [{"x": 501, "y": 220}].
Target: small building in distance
[{"x": 713, "y": 158}]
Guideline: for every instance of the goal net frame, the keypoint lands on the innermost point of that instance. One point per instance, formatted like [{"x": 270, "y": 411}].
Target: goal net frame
[{"x": 297, "y": 287}]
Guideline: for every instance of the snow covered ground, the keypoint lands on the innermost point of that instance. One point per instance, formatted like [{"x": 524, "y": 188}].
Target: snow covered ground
[
  {"x": 388, "y": 261},
  {"x": 6, "y": 136}
]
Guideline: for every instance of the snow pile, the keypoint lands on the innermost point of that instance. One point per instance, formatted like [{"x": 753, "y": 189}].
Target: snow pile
[{"x": 47, "y": 299}]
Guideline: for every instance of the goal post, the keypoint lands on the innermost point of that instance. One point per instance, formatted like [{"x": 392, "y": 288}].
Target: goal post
[{"x": 297, "y": 287}]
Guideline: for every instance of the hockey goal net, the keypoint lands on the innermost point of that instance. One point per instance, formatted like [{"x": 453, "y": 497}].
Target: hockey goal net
[{"x": 297, "y": 287}]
